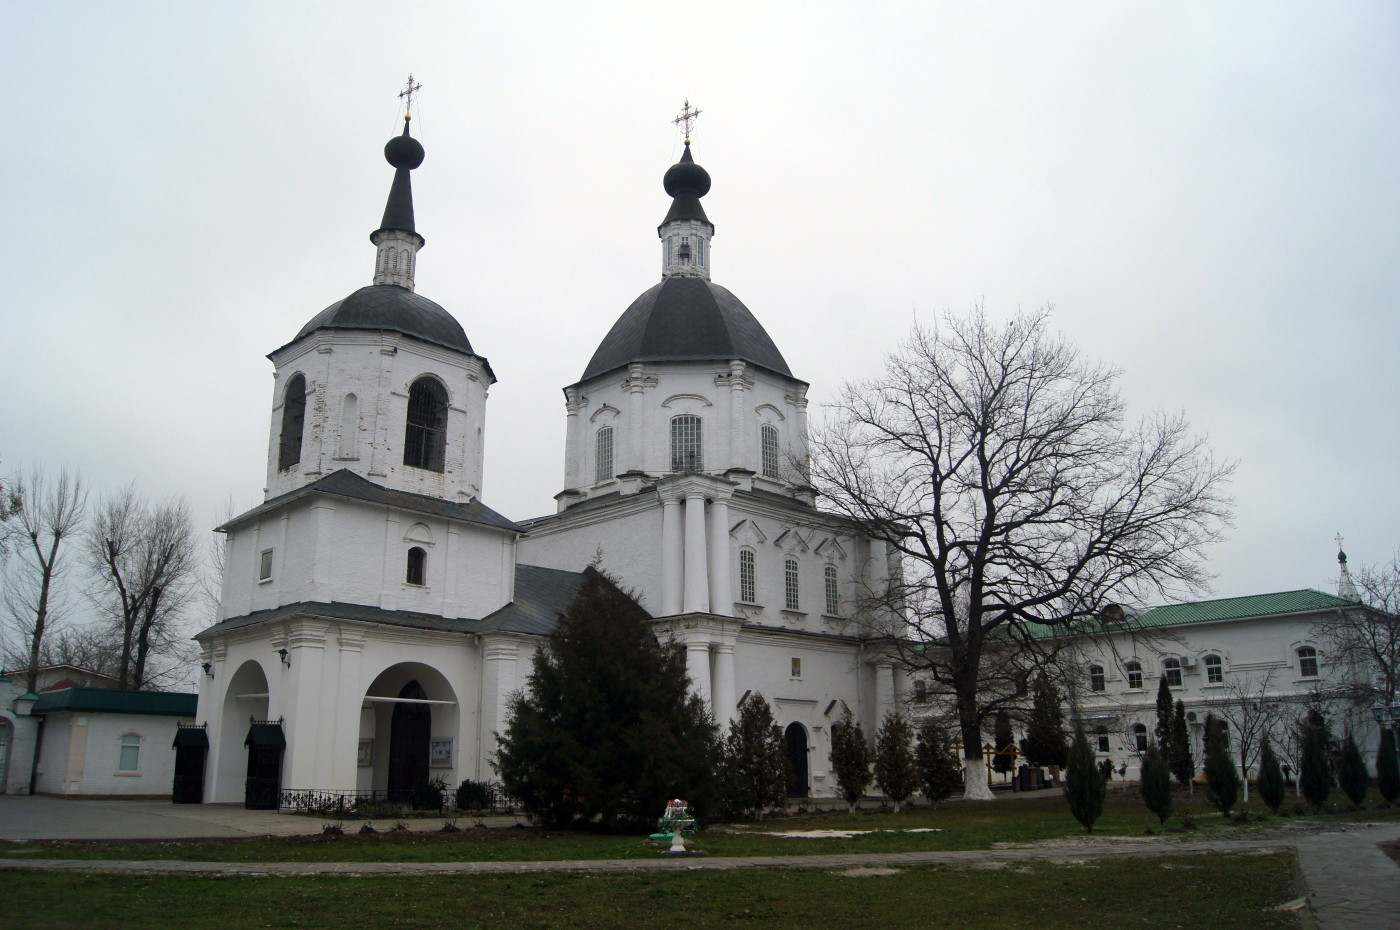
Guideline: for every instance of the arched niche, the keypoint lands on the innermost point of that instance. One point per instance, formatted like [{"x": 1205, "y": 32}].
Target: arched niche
[
  {"x": 245, "y": 698},
  {"x": 397, "y": 699}
]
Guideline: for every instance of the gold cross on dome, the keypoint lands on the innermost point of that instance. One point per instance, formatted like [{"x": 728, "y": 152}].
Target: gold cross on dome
[
  {"x": 406, "y": 95},
  {"x": 686, "y": 118},
  {"x": 1339, "y": 542}
]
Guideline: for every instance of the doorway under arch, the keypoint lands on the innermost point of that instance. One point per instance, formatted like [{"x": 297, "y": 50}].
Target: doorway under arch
[
  {"x": 410, "y": 732},
  {"x": 245, "y": 699},
  {"x": 796, "y": 735}
]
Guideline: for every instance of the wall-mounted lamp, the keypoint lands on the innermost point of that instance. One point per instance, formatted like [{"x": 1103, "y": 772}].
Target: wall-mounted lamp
[
  {"x": 286, "y": 657},
  {"x": 209, "y": 669}
]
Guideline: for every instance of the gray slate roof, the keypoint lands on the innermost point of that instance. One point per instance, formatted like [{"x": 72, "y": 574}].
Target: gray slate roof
[
  {"x": 390, "y": 308},
  {"x": 686, "y": 318},
  {"x": 345, "y": 483},
  {"x": 541, "y": 596}
]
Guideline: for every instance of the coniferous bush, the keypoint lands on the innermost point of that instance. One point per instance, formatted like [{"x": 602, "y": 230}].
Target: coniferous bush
[
  {"x": 754, "y": 767},
  {"x": 1222, "y": 778},
  {"x": 850, "y": 759},
  {"x": 1352, "y": 774},
  {"x": 1271, "y": 786},
  {"x": 1045, "y": 742},
  {"x": 476, "y": 795},
  {"x": 1315, "y": 775},
  {"x": 1164, "y": 730},
  {"x": 1084, "y": 785},
  {"x": 896, "y": 774},
  {"x": 607, "y": 730},
  {"x": 1388, "y": 768},
  {"x": 937, "y": 764},
  {"x": 1156, "y": 783},
  {"x": 1182, "y": 763}
]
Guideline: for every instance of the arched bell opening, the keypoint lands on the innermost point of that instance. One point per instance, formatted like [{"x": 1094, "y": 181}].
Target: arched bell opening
[
  {"x": 408, "y": 731},
  {"x": 796, "y": 735}
]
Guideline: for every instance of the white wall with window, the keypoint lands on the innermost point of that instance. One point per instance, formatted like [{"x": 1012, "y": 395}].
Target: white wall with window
[{"x": 107, "y": 754}]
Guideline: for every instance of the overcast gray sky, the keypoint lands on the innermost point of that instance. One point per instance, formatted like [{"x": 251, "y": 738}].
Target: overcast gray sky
[{"x": 1207, "y": 193}]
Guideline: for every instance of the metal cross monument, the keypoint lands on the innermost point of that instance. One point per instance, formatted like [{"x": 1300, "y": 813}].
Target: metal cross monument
[
  {"x": 686, "y": 118},
  {"x": 406, "y": 95}
]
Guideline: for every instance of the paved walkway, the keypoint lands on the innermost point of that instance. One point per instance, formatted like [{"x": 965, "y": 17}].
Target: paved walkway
[{"x": 25, "y": 817}]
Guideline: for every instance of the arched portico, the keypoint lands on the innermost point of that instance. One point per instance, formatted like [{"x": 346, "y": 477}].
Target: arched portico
[
  {"x": 246, "y": 698},
  {"x": 409, "y": 729}
]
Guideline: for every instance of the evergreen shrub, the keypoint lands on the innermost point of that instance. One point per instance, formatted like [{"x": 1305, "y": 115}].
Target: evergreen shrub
[
  {"x": 1315, "y": 775},
  {"x": 1045, "y": 742},
  {"x": 1388, "y": 768},
  {"x": 896, "y": 774},
  {"x": 850, "y": 759},
  {"x": 1272, "y": 789},
  {"x": 754, "y": 768},
  {"x": 939, "y": 777},
  {"x": 1222, "y": 778},
  {"x": 1084, "y": 785},
  {"x": 1352, "y": 774},
  {"x": 1182, "y": 764},
  {"x": 1156, "y": 783}
]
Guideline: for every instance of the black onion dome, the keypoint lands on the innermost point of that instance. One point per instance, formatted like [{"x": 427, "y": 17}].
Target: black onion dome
[
  {"x": 405, "y": 153},
  {"x": 686, "y": 182},
  {"x": 390, "y": 308},
  {"x": 686, "y": 319}
]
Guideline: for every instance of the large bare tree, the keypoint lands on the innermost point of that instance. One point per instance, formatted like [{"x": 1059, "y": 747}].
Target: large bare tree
[
  {"x": 1252, "y": 712},
  {"x": 144, "y": 560},
  {"x": 1018, "y": 498},
  {"x": 48, "y": 515},
  {"x": 1363, "y": 642}
]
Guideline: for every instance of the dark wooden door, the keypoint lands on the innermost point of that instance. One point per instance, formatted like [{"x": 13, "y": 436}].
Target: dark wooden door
[
  {"x": 264, "y": 785},
  {"x": 410, "y": 732},
  {"x": 189, "y": 775},
  {"x": 797, "y": 755}
]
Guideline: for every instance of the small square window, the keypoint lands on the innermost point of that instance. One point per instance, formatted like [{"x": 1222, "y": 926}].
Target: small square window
[
  {"x": 796, "y": 668},
  {"x": 1134, "y": 670},
  {"x": 1215, "y": 670},
  {"x": 1171, "y": 671},
  {"x": 1096, "y": 678},
  {"x": 265, "y": 566},
  {"x": 1101, "y": 737}
]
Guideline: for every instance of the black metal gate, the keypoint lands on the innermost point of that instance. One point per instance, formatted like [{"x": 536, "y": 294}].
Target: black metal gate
[
  {"x": 410, "y": 732},
  {"x": 191, "y": 749},
  {"x": 265, "y": 743}
]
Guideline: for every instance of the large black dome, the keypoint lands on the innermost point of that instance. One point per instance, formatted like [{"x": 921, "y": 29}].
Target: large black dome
[
  {"x": 686, "y": 319},
  {"x": 388, "y": 307}
]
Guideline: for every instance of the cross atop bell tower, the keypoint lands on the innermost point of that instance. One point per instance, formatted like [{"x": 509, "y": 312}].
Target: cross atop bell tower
[
  {"x": 406, "y": 95},
  {"x": 685, "y": 118}
]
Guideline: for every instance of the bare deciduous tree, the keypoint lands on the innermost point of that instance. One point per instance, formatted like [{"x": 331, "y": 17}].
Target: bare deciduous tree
[
  {"x": 145, "y": 561},
  {"x": 1001, "y": 468},
  {"x": 1363, "y": 643},
  {"x": 1252, "y": 713},
  {"x": 49, "y": 514}
]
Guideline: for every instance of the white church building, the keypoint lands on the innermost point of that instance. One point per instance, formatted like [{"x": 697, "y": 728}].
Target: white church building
[{"x": 376, "y": 615}]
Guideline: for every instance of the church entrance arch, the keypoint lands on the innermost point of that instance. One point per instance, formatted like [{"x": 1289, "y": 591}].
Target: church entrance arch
[
  {"x": 797, "y": 754},
  {"x": 245, "y": 700},
  {"x": 408, "y": 731}
]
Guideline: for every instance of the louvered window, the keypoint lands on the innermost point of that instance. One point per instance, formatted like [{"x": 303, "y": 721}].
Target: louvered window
[
  {"x": 603, "y": 457},
  {"x": 771, "y": 461},
  {"x": 794, "y": 602},
  {"x": 747, "y": 577},
  {"x": 833, "y": 594},
  {"x": 425, "y": 440}
]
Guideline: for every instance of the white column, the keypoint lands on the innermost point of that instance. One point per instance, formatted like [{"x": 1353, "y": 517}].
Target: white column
[
  {"x": 697, "y": 666},
  {"x": 724, "y": 698},
  {"x": 697, "y": 577},
  {"x": 738, "y": 446},
  {"x": 672, "y": 555},
  {"x": 636, "y": 385},
  {"x": 500, "y": 660},
  {"x": 879, "y": 569},
  {"x": 721, "y": 586},
  {"x": 345, "y": 756},
  {"x": 306, "y": 647},
  {"x": 884, "y": 691},
  {"x": 573, "y": 467},
  {"x": 799, "y": 438}
]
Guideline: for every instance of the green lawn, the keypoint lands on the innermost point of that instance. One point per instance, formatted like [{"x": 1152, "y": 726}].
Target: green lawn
[
  {"x": 959, "y": 826},
  {"x": 1188, "y": 892}
]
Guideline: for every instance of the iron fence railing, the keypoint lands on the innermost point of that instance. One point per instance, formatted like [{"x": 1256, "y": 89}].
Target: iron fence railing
[{"x": 375, "y": 802}]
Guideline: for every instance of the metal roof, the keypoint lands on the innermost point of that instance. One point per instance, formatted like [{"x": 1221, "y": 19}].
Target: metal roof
[
  {"x": 345, "y": 483},
  {"x": 113, "y": 701},
  {"x": 391, "y": 308},
  {"x": 1242, "y": 608}
]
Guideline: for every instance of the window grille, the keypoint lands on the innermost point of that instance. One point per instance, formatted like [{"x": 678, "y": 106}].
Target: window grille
[
  {"x": 686, "y": 446},
  {"x": 1307, "y": 662},
  {"x": 747, "y": 577},
  {"x": 425, "y": 440},
  {"x": 1215, "y": 670},
  {"x": 1140, "y": 737},
  {"x": 833, "y": 593},
  {"x": 790, "y": 585},
  {"x": 1096, "y": 678},
  {"x": 1134, "y": 670},
  {"x": 417, "y": 566},
  {"x": 1171, "y": 670},
  {"x": 603, "y": 458},
  {"x": 770, "y": 451},
  {"x": 293, "y": 423},
  {"x": 130, "y": 760}
]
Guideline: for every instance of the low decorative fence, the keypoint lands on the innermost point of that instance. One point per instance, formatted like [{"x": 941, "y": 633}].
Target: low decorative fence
[{"x": 486, "y": 799}]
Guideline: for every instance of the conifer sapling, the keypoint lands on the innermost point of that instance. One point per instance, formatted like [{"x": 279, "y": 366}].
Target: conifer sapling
[
  {"x": 850, "y": 759},
  {"x": 1351, "y": 774},
  {"x": 1271, "y": 785},
  {"x": 896, "y": 774},
  {"x": 1222, "y": 778},
  {"x": 1156, "y": 783},
  {"x": 938, "y": 766},
  {"x": 1388, "y": 768}
]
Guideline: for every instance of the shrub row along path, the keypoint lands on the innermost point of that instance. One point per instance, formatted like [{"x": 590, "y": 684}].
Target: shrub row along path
[{"x": 1353, "y": 884}]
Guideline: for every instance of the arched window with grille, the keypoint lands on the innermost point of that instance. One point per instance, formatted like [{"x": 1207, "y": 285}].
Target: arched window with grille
[
  {"x": 425, "y": 439},
  {"x": 686, "y": 444},
  {"x": 603, "y": 456},
  {"x": 1096, "y": 678},
  {"x": 771, "y": 460},
  {"x": 1134, "y": 670},
  {"x": 293, "y": 423},
  {"x": 833, "y": 592},
  {"x": 792, "y": 598},
  {"x": 748, "y": 577},
  {"x": 417, "y": 566}
]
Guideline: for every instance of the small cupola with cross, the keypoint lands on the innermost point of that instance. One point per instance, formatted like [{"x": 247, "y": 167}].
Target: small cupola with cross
[
  {"x": 686, "y": 231},
  {"x": 396, "y": 240}
]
